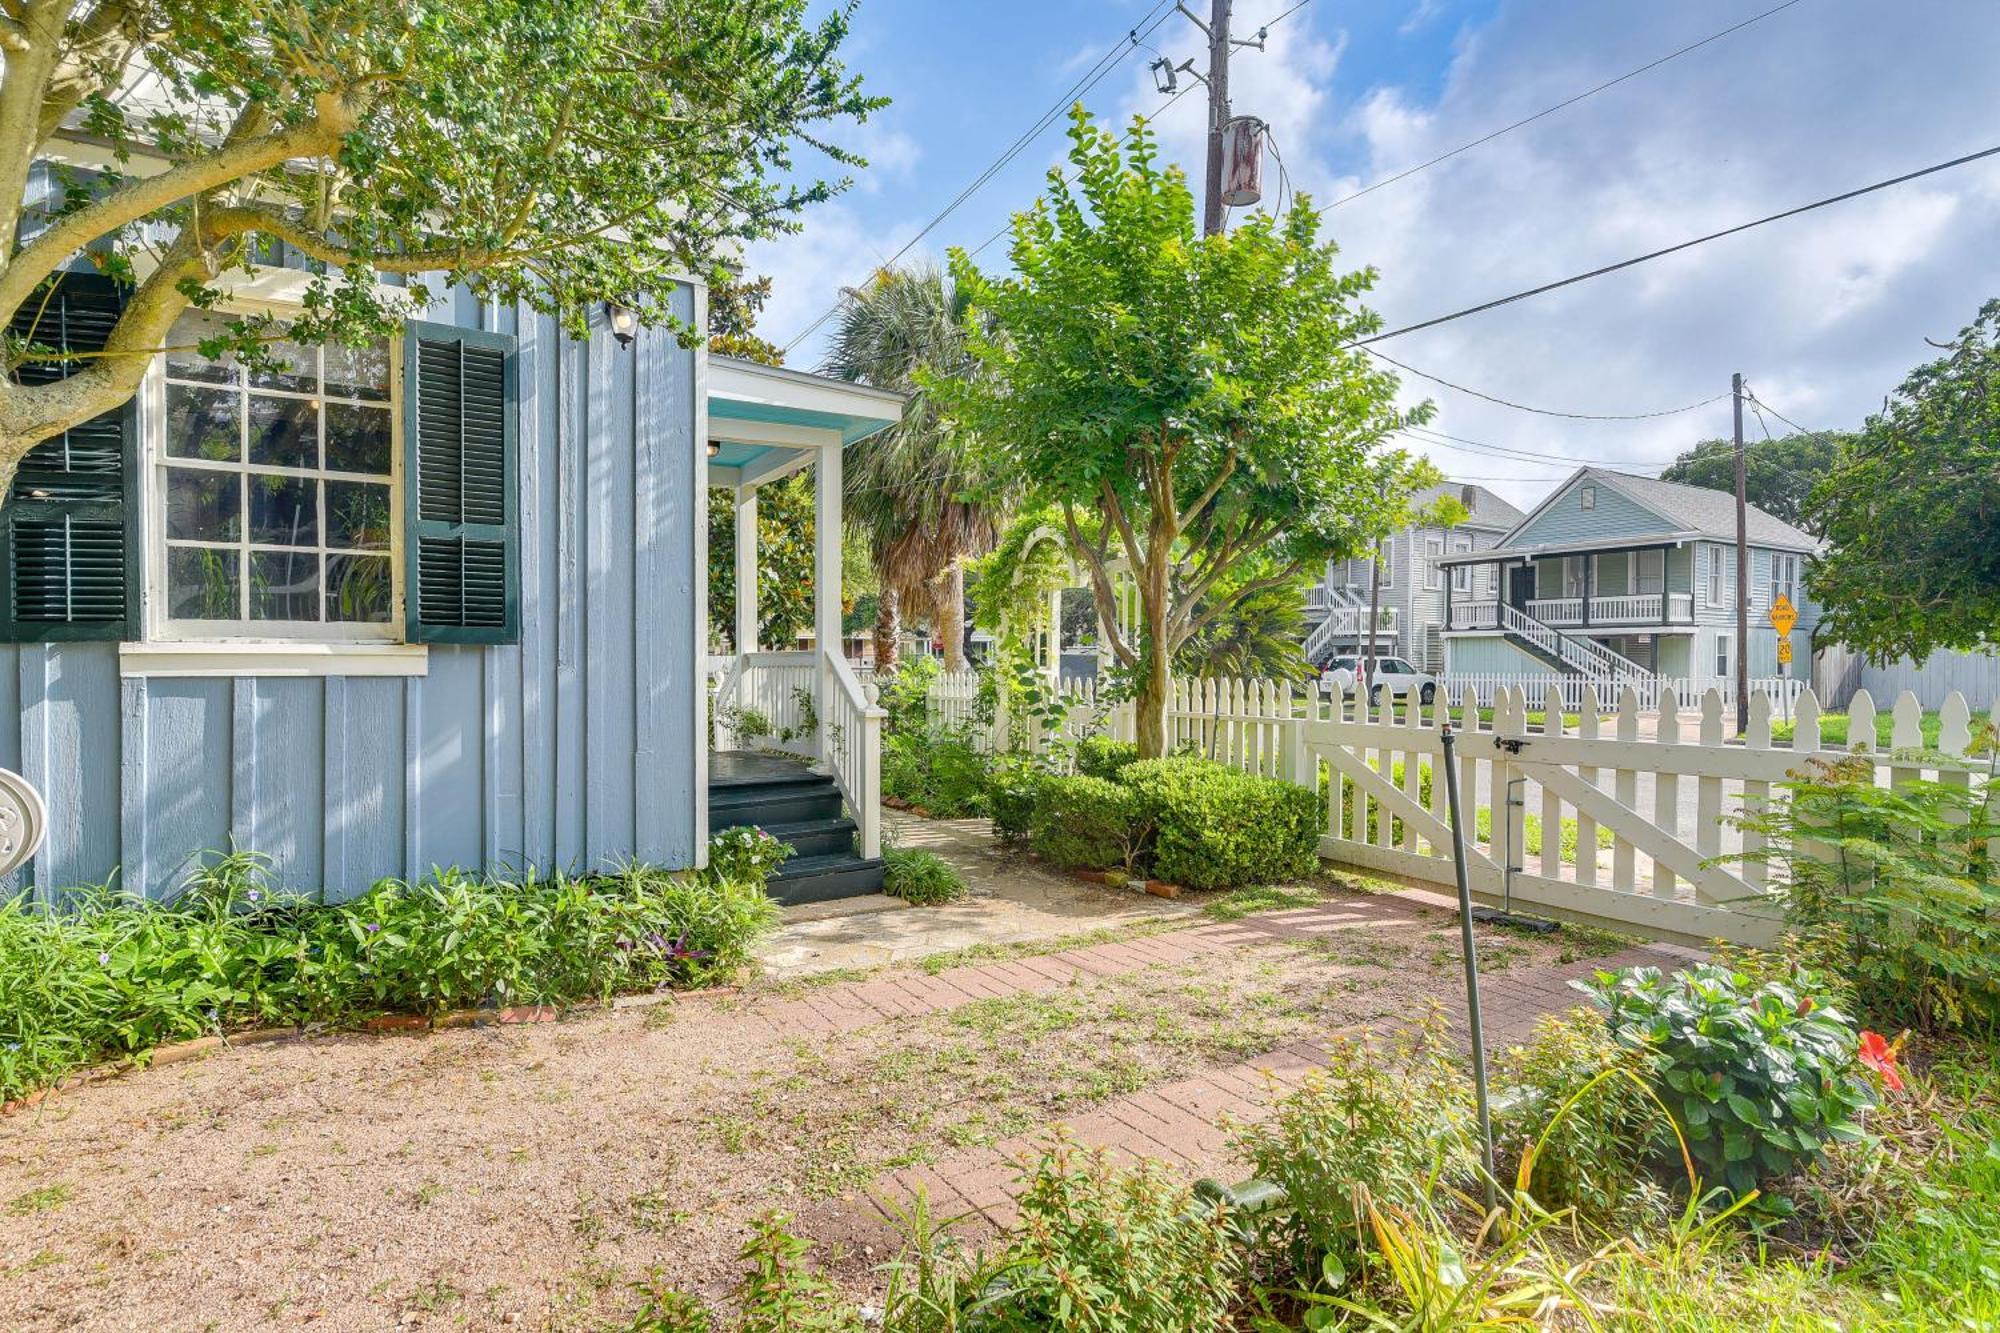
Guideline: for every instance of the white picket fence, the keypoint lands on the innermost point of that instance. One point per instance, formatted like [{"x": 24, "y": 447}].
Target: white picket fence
[{"x": 1639, "y": 791}]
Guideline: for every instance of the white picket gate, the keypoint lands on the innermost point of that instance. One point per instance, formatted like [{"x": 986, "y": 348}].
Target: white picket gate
[{"x": 1645, "y": 786}]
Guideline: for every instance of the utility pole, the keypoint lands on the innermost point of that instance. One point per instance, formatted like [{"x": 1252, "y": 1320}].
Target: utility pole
[
  {"x": 1742, "y": 566},
  {"x": 1218, "y": 112}
]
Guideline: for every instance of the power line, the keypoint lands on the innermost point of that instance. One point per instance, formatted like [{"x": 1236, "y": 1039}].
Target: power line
[
  {"x": 1544, "y": 411},
  {"x": 1675, "y": 249},
  {"x": 1566, "y": 102},
  {"x": 1085, "y": 82},
  {"x": 1426, "y": 435}
]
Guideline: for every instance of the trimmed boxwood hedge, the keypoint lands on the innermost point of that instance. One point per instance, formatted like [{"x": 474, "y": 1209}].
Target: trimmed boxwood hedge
[
  {"x": 1185, "y": 819},
  {"x": 1216, "y": 827},
  {"x": 1085, "y": 823}
]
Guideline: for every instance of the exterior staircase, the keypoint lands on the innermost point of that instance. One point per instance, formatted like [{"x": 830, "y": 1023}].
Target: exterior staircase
[
  {"x": 1571, "y": 654},
  {"x": 789, "y": 801},
  {"x": 1340, "y": 615}
]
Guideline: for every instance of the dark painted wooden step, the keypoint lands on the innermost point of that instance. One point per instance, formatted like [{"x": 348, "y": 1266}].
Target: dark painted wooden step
[
  {"x": 813, "y": 879},
  {"x": 731, "y": 808},
  {"x": 815, "y": 837}
]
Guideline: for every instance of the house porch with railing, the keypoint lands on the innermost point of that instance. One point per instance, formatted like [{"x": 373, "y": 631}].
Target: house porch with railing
[{"x": 794, "y": 735}]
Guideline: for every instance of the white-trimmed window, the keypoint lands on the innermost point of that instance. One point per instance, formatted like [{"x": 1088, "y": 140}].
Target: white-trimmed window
[
  {"x": 275, "y": 494},
  {"x": 1784, "y": 577},
  {"x": 1649, "y": 572},
  {"x": 1586, "y": 497},
  {"x": 1386, "y": 554},
  {"x": 1723, "y": 662},
  {"x": 1461, "y": 575},
  {"x": 1433, "y": 572},
  {"x": 1721, "y": 576}
]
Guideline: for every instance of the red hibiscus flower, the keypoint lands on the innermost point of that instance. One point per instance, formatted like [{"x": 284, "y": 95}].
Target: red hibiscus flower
[{"x": 1881, "y": 1056}]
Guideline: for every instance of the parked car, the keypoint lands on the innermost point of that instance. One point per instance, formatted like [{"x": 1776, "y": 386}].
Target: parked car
[{"x": 1391, "y": 673}]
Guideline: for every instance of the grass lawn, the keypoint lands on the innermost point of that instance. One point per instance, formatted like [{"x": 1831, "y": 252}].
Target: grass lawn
[{"x": 1833, "y": 730}]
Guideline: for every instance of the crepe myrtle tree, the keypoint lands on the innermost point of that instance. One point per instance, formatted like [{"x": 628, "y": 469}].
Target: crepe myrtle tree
[
  {"x": 557, "y": 152},
  {"x": 1193, "y": 406}
]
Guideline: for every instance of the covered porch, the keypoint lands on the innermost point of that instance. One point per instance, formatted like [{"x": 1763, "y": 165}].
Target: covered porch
[
  {"x": 1626, "y": 585},
  {"x": 765, "y": 423}
]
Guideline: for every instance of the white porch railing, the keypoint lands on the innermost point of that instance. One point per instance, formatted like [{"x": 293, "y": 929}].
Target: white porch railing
[
  {"x": 1639, "y": 608},
  {"x": 1474, "y": 615},
  {"x": 1557, "y": 610},
  {"x": 1348, "y": 622},
  {"x": 775, "y": 701},
  {"x": 851, "y": 723}
]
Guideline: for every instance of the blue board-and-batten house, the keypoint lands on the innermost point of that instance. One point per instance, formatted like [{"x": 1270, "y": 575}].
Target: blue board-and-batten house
[{"x": 438, "y": 602}]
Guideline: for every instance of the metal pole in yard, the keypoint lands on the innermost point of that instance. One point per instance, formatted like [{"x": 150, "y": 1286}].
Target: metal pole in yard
[
  {"x": 1374, "y": 615},
  {"x": 1742, "y": 566},
  {"x": 1471, "y": 949}
]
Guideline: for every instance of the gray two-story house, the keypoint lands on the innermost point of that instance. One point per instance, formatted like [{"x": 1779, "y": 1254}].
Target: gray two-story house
[
  {"x": 1616, "y": 577},
  {"x": 1410, "y": 622}
]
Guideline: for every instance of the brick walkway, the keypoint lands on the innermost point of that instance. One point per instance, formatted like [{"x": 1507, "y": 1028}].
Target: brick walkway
[{"x": 1178, "y": 1122}]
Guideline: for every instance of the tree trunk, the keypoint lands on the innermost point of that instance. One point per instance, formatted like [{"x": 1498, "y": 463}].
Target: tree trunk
[
  {"x": 888, "y": 628},
  {"x": 951, "y": 618},
  {"x": 1149, "y": 709}
]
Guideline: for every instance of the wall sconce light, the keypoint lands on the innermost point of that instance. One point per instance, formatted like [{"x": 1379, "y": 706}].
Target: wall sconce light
[
  {"x": 624, "y": 322},
  {"x": 714, "y": 448}
]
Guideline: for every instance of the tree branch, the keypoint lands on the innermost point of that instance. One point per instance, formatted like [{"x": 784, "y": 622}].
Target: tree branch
[{"x": 1100, "y": 588}]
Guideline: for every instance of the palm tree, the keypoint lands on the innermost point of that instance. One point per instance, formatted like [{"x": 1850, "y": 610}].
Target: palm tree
[{"x": 914, "y": 490}]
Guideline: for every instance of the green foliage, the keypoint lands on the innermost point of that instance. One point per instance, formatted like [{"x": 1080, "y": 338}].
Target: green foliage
[
  {"x": 561, "y": 154},
  {"x": 921, "y": 877},
  {"x": 112, "y": 975},
  {"x": 1101, "y": 1250},
  {"x": 785, "y": 519},
  {"x": 1897, "y": 886},
  {"x": 1909, "y": 511},
  {"x": 1102, "y": 757},
  {"x": 1255, "y": 635},
  {"x": 1759, "y": 1078},
  {"x": 1573, "y": 1103},
  {"x": 734, "y": 303},
  {"x": 906, "y": 695},
  {"x": 1217, "y": 827},
  {"x": 939, "y": 768},
  {"x": 1088, "y": 823},
  {"x": 1778, "y": 474},
  {"x": 744, "y": 855},
  {"x": 1012, "y": 785},
  {"x": 1244, "y": 427},
  {"x": 782, "y": 1292},
  {"x": 1362, "y": 1127}
]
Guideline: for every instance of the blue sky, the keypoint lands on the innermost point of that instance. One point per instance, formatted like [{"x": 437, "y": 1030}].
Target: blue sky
[{"x": 1823, "y": 314}]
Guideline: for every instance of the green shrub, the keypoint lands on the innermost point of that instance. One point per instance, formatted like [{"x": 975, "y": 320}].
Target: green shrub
[
  {"x": 781, "y": 1291},
  {"x": 938, "y": 768},
  {"x": 1759, "y": 1077},
  {"x": 1577, "y": 1101},
  {"x": 906, "y": 692},
  {"x": 1011, "y": 783},
  {"x": 1215, "y": 827},
  {"x": 923, "y": 878},
  {"x": 113, "y": 975},
  {"x": 1895, "y": 888},
  {"x": 1363, "y": 1123},
  {"x": 745, "y": 855},
  {"x": 1086, "y": 823},
  {"x": 1101, "y": 1250},
  {"x": 1102, "y": 757}
]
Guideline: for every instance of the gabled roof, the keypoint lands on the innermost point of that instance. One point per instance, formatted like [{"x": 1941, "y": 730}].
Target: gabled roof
[
  {"x": 1690, "y": 511},
  {"x": 1487, "y": 510}
]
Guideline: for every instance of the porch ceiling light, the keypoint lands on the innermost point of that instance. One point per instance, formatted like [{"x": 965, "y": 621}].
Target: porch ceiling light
[
  {"x": 714, "y": 448},
  {"x": 624, "y": 322}
]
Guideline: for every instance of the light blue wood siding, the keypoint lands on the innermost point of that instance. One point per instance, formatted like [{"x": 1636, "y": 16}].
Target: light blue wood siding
[
  {"x": 1491, "y": 655},
  {"x": 574, "y": 748},
  {"x": 1566, "y": 520}
]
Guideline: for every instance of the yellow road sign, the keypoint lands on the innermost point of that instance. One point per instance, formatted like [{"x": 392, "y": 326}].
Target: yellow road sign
[
  {"x": 1784, "y": 651},
  {"x": 1783, "y": 615}
]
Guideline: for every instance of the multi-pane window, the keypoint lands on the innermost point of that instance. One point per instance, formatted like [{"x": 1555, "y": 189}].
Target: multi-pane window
[
  {"x": 1722, "y": 659},
  {"x": 278, "y": 490},
  {"x": 1433, "y": 572},
  {"x": 1461, "y": 575},
  {"x": 1784, "y": 577}
]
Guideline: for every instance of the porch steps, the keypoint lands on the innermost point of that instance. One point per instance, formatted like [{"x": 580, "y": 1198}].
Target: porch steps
[{"x": 792, "y": 803}]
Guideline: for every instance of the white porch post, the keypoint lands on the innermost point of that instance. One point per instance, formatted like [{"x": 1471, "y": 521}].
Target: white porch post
[
  {"x": 826, "y": 581},
  {"x": 746, "y": 570}
]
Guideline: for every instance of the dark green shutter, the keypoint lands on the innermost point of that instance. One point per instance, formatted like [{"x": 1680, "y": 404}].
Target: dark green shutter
[
  {"x": 69, "y": 555},
  {"x": 460, "y": 402}
]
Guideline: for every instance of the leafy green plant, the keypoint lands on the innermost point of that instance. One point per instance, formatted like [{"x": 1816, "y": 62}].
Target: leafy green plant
[
  {"x": 920, "y": 877},
  {"x": 1759, "y": 1078},
  {"x": 1579, "y": 1124},
  {"x": 1896, "y": 887},
  {"x": 1087, "y": 823},
  {"x": 1215, "y": 827},
  {"x": 1012, "y": 784},
  {"x": 111, "y": 975},
  {"x": 1103, "y": 1250},
  {"x": 1102, "y": 757},
  {"x": 745, "y": 855},
  {"x": 782, "y": 1292},
  {"x": 940, "y": 768},
  {"x": 1361, "y": 1128}
]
